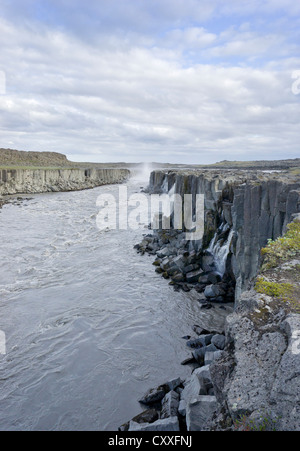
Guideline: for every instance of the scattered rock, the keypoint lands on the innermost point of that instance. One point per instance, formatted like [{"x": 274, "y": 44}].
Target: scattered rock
[
  {"x": 199, "y": 412},
  {"x": 166, "y": 424},
  {"x": 170, "y": 405}
]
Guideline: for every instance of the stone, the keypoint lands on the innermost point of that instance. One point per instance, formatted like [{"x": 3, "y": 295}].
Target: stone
[
  {"x": 164, "y": 425},
  {"x": 218, "y": 341},
  {"x": 203, "y": 340},
  {"x": 199, "y": 412},
  {"x": 178, "y": 277},
  {"x": 192, "y": 277},
  {"x": 213, "y": 291},
  {"x": 195, "y": 343},
  {"x": 199, "y": 355},
  {"x": 213, "y": 278},
  {"x": 165, "y": 252},
  {"x": 204, "y": 279},
  {"x": 182, "y": 408},
  {"x": 124, "y": 427},
  {"x": 208, "y": 358},
  {"x": 191, "y": 268},
  {"x": 148, "y": 416},
  {"x": 172, "y": 384},
  {"x": 207, "y": 262},
  {"x": 204, "y": 377},
  {"x": 188, "y": 361},
  {"x": 192, "y": 389},
  {"x": 170, "y": 405},
  {"x": 200, "y": 330},
  {"x": 179, "y": 262},
  {"x": 154, "y": 395}
]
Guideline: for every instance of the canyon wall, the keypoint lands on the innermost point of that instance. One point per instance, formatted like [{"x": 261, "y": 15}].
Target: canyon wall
[
  {"x": 29, "y": 181},
  {"x": 256, "y": 206},
  {"x": 254, "y": 382}
]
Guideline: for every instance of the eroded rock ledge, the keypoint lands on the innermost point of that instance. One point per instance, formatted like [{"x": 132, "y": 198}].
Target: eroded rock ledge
[{"x": 30, "y": 181}]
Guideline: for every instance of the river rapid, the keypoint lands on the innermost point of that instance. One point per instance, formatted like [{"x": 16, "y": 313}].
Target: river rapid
[{"x": 89, "y": 325}]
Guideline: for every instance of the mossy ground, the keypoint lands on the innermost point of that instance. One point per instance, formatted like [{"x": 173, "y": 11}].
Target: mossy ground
[{"x": 280, "y": 272}]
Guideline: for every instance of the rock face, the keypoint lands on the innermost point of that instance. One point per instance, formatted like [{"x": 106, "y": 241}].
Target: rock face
[
  {"x": 246, "y": 208},
  {"x": 248, "y": 378},
  {"x": 258, "y": 376},
  {"x": 29, "y": 181}
]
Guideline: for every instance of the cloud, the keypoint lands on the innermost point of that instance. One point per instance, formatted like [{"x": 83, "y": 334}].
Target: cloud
[{"x": 177, "y": 94}]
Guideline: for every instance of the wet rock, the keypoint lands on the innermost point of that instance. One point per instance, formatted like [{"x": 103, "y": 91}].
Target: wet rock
[
  {"x": 207, "y": 263},
  {"x": 178, "y": 277},
  {"x": 199, "y": 355},
  {"x": 191, "y": 268},
  {"x": 200, "y": 287},
  {"x": 193, "y": 276},
  {"x": 214, "y": 291},
  {"x": 206, "y": 305},
  {"x": 172, "y": 384},
  {"x": 148, "y": 416},
  {"x": 203, "y": 340},
  {"x": 185, "y": 287},
  {"x": 153, "y": 396},
  {"x": 179, "y": 262},
  {"x": 188, "y": 361},
  {"x": 200, "y": 330}
]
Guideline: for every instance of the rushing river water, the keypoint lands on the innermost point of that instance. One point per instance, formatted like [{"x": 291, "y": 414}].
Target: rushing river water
[{"x": 89, "y": 325}]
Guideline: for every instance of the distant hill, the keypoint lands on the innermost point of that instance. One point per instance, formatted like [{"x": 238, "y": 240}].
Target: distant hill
[
  {"x": 19, "y": 158},
  {"x": 9, "y": 157}
]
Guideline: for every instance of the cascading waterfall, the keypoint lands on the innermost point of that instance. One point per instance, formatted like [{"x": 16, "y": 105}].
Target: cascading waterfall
[{"x": 220, "y": 248}]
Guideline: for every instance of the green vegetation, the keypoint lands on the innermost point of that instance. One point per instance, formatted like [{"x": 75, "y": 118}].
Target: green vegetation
[
  {"x": 264, "y": 424},
  {"x": 283, "y": 248},
  {"x": 280, "y": 271},
  {"x": 295, "y": 171},
  {"x": 274, "y": 289},
  {"x": 33, "y": 168}
]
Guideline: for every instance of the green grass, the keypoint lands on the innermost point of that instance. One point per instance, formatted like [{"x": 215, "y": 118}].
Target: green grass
[
  {"x": 274, "y": 289},
  {"x": 283, "y": 248}
]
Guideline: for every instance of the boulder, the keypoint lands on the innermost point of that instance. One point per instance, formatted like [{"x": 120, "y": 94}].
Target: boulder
[
  {"x": 211, "y": 356},
  {"x": 148, "y": 416},
  {"x": 167, "y": 424},
  {"x": 199, "y": 412},
  {"x": 214, "y": 291},
  {"x": 204, "y": 377},
  {"x": 153, "y": 395},
  {"x": 201, "y": 341},
  {"x": 170, "y": 405},
  {"x": 218, "y": 341},
  {"x": 193, "y": 276},
  {"x": 207, "y": 262}
]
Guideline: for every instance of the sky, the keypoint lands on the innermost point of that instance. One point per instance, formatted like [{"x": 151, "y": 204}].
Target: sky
[{"x": 178, "y": 81}]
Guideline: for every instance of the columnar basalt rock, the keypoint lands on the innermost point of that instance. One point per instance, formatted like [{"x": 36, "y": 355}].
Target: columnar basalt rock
[
  {"x": 255, "y": 206},
  {"x": 30, "y": 181}
]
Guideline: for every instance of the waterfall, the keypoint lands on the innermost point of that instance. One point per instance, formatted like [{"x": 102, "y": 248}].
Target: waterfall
[{"x": 220, "y": 249}]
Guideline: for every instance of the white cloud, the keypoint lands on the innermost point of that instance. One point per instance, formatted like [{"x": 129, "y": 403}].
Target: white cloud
[{"x": 124, "y": 101}]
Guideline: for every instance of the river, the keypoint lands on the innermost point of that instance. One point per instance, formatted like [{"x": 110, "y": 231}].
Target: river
[{"x": 89, "y": 325}]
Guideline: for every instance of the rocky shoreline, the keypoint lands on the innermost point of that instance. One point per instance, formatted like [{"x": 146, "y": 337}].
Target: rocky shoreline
[
  {"x": 178, "y": 405},
  {"x": 243, "y": 379}
]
